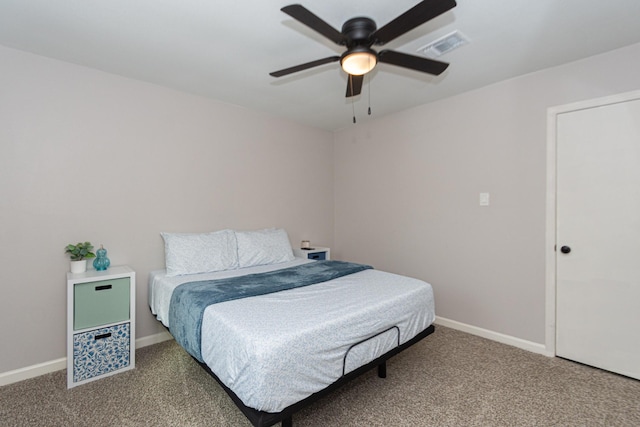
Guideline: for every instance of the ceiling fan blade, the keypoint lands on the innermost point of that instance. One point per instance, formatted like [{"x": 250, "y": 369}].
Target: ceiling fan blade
[
  {"x": 306, "y": 17},
  {"x": 417, "y": 63},
  {"x": 354, "y": 85},
  {"x": 306, "y": 66},
  {"x": 417, "y": 15}
]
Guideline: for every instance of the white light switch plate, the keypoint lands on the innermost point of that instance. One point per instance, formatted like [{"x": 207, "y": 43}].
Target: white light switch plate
[{"x": 484, "y": 199}]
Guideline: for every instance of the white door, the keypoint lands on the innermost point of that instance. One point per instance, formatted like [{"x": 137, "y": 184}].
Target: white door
[{"x": 598, "y": 236}]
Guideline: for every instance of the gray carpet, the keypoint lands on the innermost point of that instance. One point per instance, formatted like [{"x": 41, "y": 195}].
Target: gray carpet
[{"x": 449, "y": 379}]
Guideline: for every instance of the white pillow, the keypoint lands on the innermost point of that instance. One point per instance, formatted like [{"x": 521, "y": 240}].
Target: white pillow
[
  {"x": 193, "y": 253},
  {"x": 269, "y": 246}
]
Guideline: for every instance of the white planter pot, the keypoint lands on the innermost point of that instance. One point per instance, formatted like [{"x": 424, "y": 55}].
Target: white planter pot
[{"x": 78, "y": 266}]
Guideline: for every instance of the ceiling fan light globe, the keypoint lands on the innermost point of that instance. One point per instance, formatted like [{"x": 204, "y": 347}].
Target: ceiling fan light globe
[{"x": 358, "y": 62}]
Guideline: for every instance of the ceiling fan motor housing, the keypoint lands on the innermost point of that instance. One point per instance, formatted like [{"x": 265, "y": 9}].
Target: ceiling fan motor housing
[{"x": 358, "y": 31}]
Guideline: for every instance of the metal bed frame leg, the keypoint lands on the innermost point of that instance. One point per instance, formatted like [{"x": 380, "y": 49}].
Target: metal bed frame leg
[
  {"x": 287, "y": 422},
  {"x": 382, "y": 370}
]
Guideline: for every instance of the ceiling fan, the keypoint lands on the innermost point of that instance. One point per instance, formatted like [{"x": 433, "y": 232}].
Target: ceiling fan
[{"x": 360, "y": 34}]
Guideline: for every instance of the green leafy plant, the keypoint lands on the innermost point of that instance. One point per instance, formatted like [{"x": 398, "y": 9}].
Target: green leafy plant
[{"x": 80, "y": 251}]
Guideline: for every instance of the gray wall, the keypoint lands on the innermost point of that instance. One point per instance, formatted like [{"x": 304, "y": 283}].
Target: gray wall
[
  {"x": 407, "y": 189},
  {"x": 85, "y": 155},
  {"x": 88, "y": 155}
]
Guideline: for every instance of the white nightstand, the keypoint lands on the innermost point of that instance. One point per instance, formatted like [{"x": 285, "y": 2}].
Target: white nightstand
[
  {"x": 317, "y": 253},
  {"x": 100, "y": 324}
]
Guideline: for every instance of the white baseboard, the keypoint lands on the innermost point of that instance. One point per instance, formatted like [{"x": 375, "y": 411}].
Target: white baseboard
[
  {"x": 495, "y": 336},
  {"x": 21, "y": 374},
  {"x": 153, "y": 339},
  {"x": 32, "y": 371}
]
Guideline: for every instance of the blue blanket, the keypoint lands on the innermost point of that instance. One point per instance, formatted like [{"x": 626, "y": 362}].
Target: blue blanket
[{"x": 189, "y": 300}]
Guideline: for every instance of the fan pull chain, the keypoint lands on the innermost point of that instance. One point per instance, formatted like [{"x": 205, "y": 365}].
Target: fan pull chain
[
  {"x": 369, "y": 90},
  {"x": 353, "y": 107}
]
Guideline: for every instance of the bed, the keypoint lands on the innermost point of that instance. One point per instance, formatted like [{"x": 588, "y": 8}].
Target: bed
[{"x": 275, "y": 352}]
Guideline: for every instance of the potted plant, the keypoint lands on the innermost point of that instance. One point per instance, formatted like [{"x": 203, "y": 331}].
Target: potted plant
[{"x": 79, "y": 254}]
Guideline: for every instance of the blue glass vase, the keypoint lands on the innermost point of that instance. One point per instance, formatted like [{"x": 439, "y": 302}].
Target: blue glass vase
[{"x": 101, "y": 262}]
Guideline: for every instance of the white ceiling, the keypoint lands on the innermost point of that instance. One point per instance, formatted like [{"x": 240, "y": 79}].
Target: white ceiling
[{"x": 225, "y": 49}]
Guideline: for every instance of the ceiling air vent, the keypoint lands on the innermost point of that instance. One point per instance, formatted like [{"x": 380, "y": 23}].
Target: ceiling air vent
[{"x": 444, "y": 44}]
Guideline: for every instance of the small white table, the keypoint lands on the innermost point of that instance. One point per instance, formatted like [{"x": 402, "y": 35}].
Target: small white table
[{"x": 317, "y": 253}]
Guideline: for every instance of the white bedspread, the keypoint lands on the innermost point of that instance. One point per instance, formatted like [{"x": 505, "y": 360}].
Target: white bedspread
[{"x": 275, "y": 350}]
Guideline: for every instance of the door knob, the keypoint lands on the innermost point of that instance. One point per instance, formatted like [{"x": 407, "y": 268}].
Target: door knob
[{"x": 565, "y": 249}]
